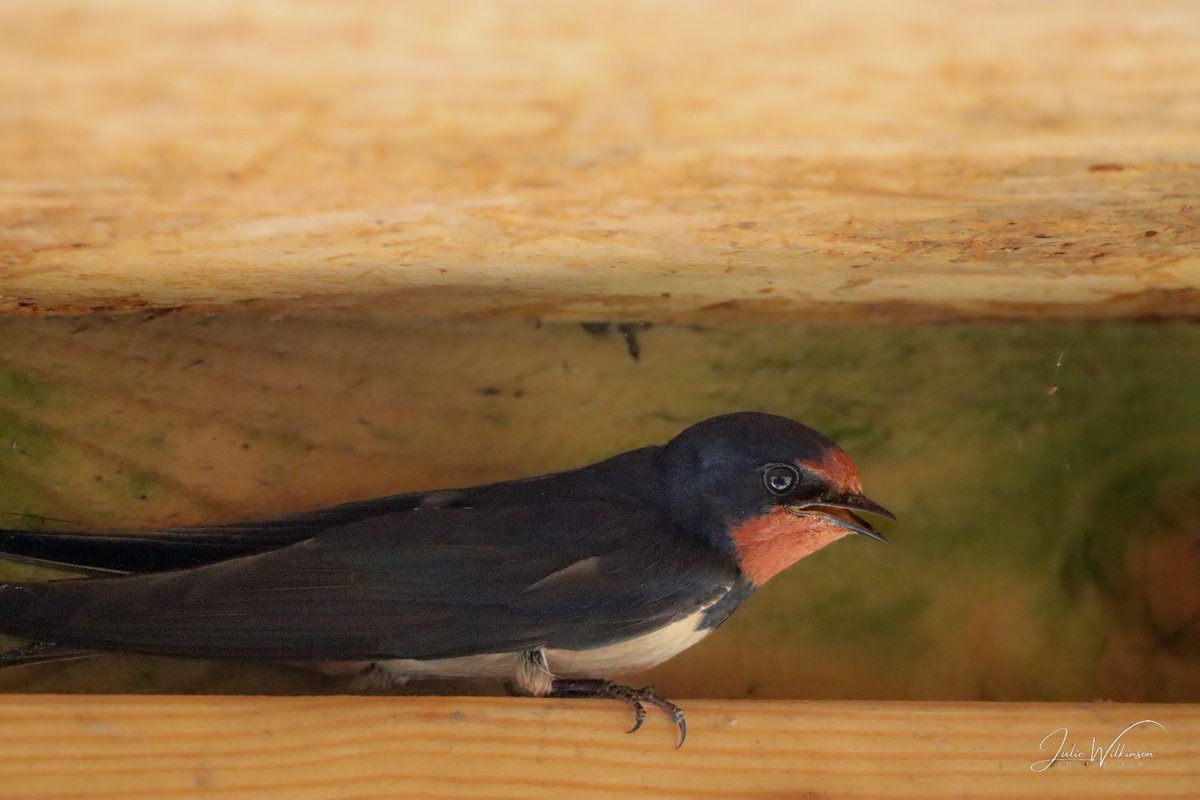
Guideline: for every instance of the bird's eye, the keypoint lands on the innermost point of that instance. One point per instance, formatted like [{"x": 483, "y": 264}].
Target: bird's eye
[{"x": 780, "y": 478}]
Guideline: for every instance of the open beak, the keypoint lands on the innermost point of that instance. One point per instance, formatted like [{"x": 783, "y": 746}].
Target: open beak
[{"x": 840, "y": 511}]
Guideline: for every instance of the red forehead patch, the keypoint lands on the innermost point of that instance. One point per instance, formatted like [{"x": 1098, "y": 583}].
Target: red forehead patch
[{"x": 838, "y": 470}]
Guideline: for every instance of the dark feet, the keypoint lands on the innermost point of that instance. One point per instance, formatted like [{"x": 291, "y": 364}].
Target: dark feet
[{"x": 634, "y": 697}]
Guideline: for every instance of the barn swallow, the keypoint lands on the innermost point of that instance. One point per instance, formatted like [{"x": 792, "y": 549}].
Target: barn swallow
[{"x": 553, "y": 582}]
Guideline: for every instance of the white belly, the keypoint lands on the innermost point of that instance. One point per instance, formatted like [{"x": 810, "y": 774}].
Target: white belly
[
  {"x": 629, "y": 656},
  {"x": 633, "y": 655}
]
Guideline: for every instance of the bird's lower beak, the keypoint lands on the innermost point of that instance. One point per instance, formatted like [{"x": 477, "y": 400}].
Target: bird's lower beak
[{"x": 840, "y": 511}]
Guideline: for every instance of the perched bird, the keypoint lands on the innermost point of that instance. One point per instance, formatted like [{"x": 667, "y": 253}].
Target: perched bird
[{"x": 552, "y": 582}]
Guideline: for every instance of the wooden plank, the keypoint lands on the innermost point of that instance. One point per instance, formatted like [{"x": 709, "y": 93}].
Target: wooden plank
[
  {"x": 60, "y": 747},
  {"x": 660, "y": 160}
]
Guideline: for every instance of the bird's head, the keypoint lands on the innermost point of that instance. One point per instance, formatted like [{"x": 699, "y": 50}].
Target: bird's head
[{"x": 764, "y": 488}]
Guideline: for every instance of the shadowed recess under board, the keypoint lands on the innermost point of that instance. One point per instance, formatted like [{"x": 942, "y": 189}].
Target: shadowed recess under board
[{"x": 1046, "y": 476}]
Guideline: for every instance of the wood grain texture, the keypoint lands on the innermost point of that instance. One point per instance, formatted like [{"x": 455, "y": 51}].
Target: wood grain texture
[
  {"x": 353, "y": 747},
  {"x": 653, "y": 160}
]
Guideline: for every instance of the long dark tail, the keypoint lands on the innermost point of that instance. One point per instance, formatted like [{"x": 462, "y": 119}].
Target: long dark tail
[
  {"x": 42, "y": 653},
  {"x": 181, "y": 548},
  {"x": 157, "y": 551}
]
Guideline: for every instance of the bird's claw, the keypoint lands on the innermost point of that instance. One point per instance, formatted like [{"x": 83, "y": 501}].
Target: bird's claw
[
  {"x": 649, "y": 695},
  {"x": 639, "y": 715},
  {"x": 636, "y": 698}
]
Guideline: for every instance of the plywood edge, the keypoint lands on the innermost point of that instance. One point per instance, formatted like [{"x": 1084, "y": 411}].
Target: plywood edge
[
  {"x": 545, "y": 304},
  {"x": 258, "y": 157},
  {"x": 58, "y": 746}
]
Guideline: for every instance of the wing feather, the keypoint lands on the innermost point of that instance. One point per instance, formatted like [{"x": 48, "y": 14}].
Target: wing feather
[
  {"x": 450, "y": 582},
  {"x": 180, "y": 548}
]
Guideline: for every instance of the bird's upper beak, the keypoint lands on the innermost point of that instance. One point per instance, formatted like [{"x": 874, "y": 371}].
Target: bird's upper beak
[{"x": 840, "y": 511}]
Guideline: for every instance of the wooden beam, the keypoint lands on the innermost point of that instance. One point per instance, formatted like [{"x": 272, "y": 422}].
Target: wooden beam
[
  {"x": 865, "y": 159},
  {"x": 59, "y": 746}
]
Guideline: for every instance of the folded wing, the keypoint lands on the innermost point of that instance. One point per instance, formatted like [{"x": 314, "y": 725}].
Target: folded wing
[{"x": 430, "y": 584}]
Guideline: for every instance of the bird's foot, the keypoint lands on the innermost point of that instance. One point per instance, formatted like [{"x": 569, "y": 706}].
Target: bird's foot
[
  {"x": 637, "y": 698},
  {"x": 376, "y": 679}
]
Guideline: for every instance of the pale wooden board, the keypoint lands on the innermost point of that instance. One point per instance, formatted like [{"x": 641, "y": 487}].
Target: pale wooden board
[
  {"x": 602, "y": 159},
  {"x": 63, "y": 747}
]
